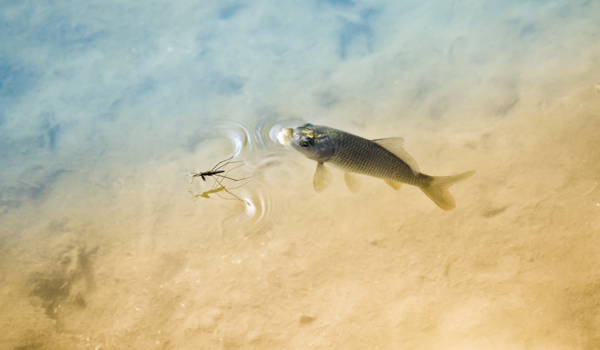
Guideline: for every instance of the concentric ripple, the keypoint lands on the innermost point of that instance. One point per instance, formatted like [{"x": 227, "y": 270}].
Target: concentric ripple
[
  {"x": 257, "y": 218},
  {"x": 258, "y": 148}
]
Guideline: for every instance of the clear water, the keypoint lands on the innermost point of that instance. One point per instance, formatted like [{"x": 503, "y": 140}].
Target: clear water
[{"x": 105, "y": 107}]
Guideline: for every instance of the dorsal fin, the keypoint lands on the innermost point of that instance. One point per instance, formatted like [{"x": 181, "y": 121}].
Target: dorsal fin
[{"x": 394, "y": 145}]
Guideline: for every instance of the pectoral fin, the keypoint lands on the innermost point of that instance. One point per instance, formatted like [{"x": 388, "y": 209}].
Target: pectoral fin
[
  {"x": 352, "y": 182},
  {"x": 395, "y": 184},
  {"x": 322, "y": 178}
]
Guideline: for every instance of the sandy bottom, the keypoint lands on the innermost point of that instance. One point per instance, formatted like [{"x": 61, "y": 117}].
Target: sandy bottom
[
  {"x": 106, "y": 106},
  {"x": 137, "y": 264}
]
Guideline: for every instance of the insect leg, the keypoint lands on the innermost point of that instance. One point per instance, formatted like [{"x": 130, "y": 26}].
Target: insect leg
[
  {"x": 220, "y": 182},
  {"x": 227, "y": 172},
  {"x": 219, "y": 166},
  {"x": 238, "y": 198},
  {"x": 232, "y": 179}
]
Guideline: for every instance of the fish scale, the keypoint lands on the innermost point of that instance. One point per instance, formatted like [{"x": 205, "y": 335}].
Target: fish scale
[
  {"x": 358, "y": 155},
  {"x": 383, "y": 158}
]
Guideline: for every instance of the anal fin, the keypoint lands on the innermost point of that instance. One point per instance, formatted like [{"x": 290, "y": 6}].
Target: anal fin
[{"x": 394, "y": 184}]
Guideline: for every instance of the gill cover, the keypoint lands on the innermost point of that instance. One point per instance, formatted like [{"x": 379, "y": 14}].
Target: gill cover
[{"x": 313, "y": 142}]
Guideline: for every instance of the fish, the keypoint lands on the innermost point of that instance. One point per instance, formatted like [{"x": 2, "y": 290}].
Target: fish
[{"x": 381, "y": 158}]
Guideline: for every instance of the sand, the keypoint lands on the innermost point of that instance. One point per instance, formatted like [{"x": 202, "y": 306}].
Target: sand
[{"x": 102, "y": 246}]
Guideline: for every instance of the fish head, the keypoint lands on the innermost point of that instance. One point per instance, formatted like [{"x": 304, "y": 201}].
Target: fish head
[{"x": 310, "y": 140}]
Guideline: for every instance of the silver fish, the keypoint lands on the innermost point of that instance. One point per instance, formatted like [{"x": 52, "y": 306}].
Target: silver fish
[{"x": 382, "y": 158}]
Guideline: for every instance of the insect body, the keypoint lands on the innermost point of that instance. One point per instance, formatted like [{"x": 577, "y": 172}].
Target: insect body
[
  {"x": 216, "y": 170},
  {"x": 204, "y": 174},
  {"x": 219, "y": 174}
]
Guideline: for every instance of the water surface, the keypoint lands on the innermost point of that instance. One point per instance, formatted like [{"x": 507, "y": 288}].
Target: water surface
[{"x": 105, "y": 107}]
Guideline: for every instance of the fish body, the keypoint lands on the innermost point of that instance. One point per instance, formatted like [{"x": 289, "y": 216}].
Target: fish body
[{"x": 382, "y": 158}]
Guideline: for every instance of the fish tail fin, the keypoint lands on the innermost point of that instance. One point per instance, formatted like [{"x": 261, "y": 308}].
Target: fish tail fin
[{"x": 437, "y": 189}]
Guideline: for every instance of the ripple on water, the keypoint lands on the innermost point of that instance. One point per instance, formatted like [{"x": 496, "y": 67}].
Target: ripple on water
[
  {"x": 270, "y": 127},
  {"x": 256, "y": 219},
  {"x": 259, "y": 149}
]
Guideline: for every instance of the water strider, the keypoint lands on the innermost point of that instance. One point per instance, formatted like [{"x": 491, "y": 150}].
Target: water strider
[
  {"x": 217, "y": 170},
  {"x": 217, "y": 174},
  {"x": 382, "y": 158}
]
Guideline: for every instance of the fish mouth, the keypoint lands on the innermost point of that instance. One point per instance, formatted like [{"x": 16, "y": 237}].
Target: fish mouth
[{"x": 285, "y": 135}]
